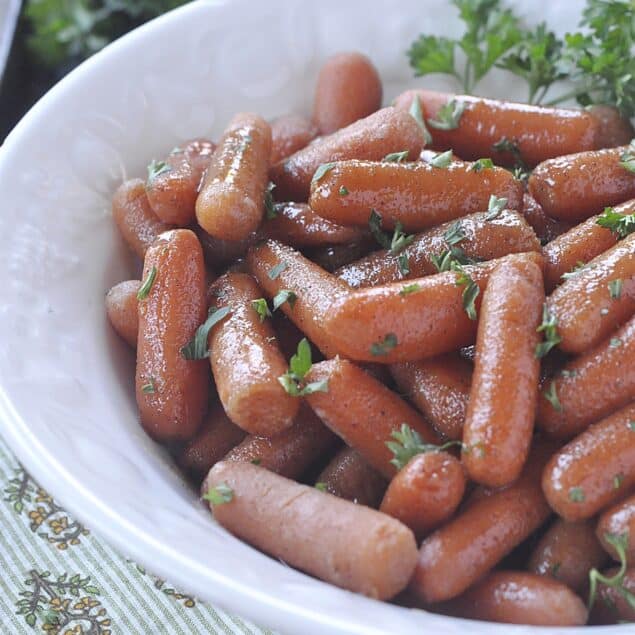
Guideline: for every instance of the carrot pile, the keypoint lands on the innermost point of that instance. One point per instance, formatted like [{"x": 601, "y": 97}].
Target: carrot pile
[{"x": 420, "y": 325}]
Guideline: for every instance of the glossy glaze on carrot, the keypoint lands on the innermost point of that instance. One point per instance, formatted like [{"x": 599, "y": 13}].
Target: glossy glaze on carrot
[
  {"x": 122, "y": 310},
  {"x": 289, "y": 134}
]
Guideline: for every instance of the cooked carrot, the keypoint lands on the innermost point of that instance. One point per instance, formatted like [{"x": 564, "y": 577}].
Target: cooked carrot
[
  {"x": 277, "y": 267},
  {"x": 426, "y": 492},
  {"x": 440, "y": 388},
  {"x": 121, "y": 309},
  {"x": 332, "y": 257},
  {"x": 572, "y": 188},
  {"x": 289, "y": 134},
  {"x": 246, "y": 361},
  {"x": 416, "y": 194},
  {"x": 615, "y": 129},
  {"x": 590, "y": 387},
  {"x": 296, "y": 224},
  {"x": 172, "y": 185},
  {"x": 611, "y": 606},
  {"x": 171, "y": 390},
  {"x": 230, "y": 204},
  {"x": 351, "y": 546},
  {"x": 546, "y": 228},
  {"x": 477, "y": 237},
  {"x": 518, "y": 597},
  {"x": 578, "y": 246},
  {"x": 619, "y": 520},
  {"x": 409, "y": 320},
  {"x": 138, "y": 224},
  {"x": 538, "y": 132},
  {"x": 349, "y": 476},
  {"x": 216, "y": 437},
  {"x": 595, "y": 469},
  {"x": 455, "y": 556},
  {"x": 363, "y": 411},
  {"x": 501, "y": 409},
  {"x": 291, "y": 452},
  {"x": 348, "y": 88},
  {"x": 590, "y": 305},
  {"x": 388, "y": 130},
  {"x": 567, "y": 552}
]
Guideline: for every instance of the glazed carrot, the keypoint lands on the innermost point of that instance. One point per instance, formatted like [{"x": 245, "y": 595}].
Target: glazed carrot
[
  {"x": 546, "y": 228},
  {"x": 619, "y": 520},
  {"x": 314, "y": 531},
  {"x": 388, "y": 130},
  {"x": 501, "y": 409},
  {"x": 468, "y": 546},
  {"x": 615, "y": 129},
  {"x": 216, "y": 437},
  {"x": 518, "y": 597},
  {"x": 363, "y": 412},
  {"x": 410, "y": 320},
  {"x": 296, "y": 224},
  {"x": 349, "y": 476},
  {"x": 439, "y": 387},
  {"x": 426, "y": 492},
  {"x": 230, "y": 204},
  {"x": 611, "y": 606},
  {"x": 594, "y": 469},
  {"x": 138, "y": 224},
  {"x": 291, "y": 452},
  {"x": 416, "y": 194},
  {"x": 121, "y": 309},
  {"x": 171, "y": 390},
  {"x": 574, "y": 187},
  {"x": 579, "y": 245},
  {"x": 172, "y": 184},
  {"x": 477, "y": 237},
  {"x": 289, "y": 134},
  {"x": 348, "y": 88},
  {"x": 567, "y": 552},
  {"x": 277, "y": 267},
  {"x": 332, "y": 257},
  {"x": 538, "y": 132},
  {"x": 592, "y": 304},
  {"x": 590, "y": 387},
  {"x": 246, "y": 361}
]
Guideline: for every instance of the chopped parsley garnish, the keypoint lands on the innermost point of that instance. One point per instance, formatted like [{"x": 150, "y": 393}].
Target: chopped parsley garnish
[
  {"x": 470, "y": 292},
  {"x": 404, "y": 264},
  {"x": 284, "y": 295},
  {"x": 299, "y": 366},
  {"x": 620, "y": 224},
  {"x": 495, "y": 207},
  {"x": 408, "y": 443},
  {"x": 615, "y": 289},
  {"x": 321, "y": 171},
  {"x": 395, "y": 244},
  {"x": 409, "y": 288},
  {"x": 482, "y": 164},
  {"x": 274, "y": 272},
  {"x": 551, "y": 395},
  {"x": 196, "y": 348},
  {"x": 580, "y": 266},
  {"x": 396, "y": 157},
  {"x": 615, "y": 342},
  {"x": 156, "y": 168},
  {"x": 618, "y": 479},
  {"x": 442, "y": 160},
  {"x": 144, "y": 289},
  {"x": 343, "y": 191},
  {"x": 148, "y": 388},
  {"x": 417, "y": 115},
  {"x": 448, "y": 116},
  {"x": 549, "y": 327},
  {"x": 270, "y": 210},
  {"x": 219, "y": 495},
  {"x": 261, "y": 307},
  {"x": 576, "y": 495},
  {"x": 620, "y": 543},
  {"x": 321, "y": 486},
  {"x": 385, "y": 346},
  {"x": 627, "y": 158}
]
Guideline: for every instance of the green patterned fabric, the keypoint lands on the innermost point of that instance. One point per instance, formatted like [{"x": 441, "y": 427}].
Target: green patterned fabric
[{"x": 58, "y": 578}]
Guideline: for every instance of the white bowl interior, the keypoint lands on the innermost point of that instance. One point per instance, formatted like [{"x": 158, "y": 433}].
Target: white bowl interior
[{"x": 66, "y": 391}]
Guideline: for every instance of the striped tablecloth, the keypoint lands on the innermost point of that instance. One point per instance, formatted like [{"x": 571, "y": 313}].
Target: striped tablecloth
[{"x": 56, "y": 576}]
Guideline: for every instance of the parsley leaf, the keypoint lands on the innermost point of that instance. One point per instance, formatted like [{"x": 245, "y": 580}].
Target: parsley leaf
[
  {"x": 322, "y": 487},
  {"x": 219, "y": 495},
  {"x": 620, "y": 543},
  {"x": 482, "y": 164},
  {"x": 417, "y": 115},
  {"x": 396, "y": 157},
  {"x": 409, "y": 288},
  {"x": 408, "y": 443},
  {"x": 275, "y": 271},
  {"x": 620, "y": 224},
  {"x": 156, "y": 168},
  {"x": 270, "y": 210},
  {"x": 576, "y": 495},
  {"x": 343, "y": 191},
  {"x": 299, "y": 365},
  {"x": 448, "y": 118},
  {"x": 442, "y": 160},
  {"x": 261, "y": 308},
  {"x": 144, "y": 289},
  {"x": 579, "y": 267},
  {"x": 149, "y": 388},
  {"x": 196, "y": 348},
  {"x": 404, "y": 264},
  {"x": 454, "y": 234},
  {"x": 615, "y": 289},
  {"x": 551, "y": 396},
  {"x": 284, "y": 295},
  {"x": 385, "y": 346},
  {"x": 321, "y": 171},
  {"x": 394, "y": 245},
  {"x": 470, "y": 292},
  {"x": 495, "y": 207},
  {"x": 450, "y": 258},
  {"x": 549, "y": 327}
]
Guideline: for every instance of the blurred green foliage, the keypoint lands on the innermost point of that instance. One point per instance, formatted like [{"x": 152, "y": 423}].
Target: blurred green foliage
[{"x": 70, "y": 30}]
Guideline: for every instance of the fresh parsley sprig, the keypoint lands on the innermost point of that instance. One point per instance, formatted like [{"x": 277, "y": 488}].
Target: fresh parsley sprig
[
  {"x": 408, "y": 443},
  {"x": 219, "y": 495},
  {"x": 196, "y": 348},
  {"x": 293, "y": 381},
  {"x": 471, "y": 290},
  {"x": 620, "y": 224},
  {"x": 395, "y": 244},
  {"x": 549, "y": 327}
]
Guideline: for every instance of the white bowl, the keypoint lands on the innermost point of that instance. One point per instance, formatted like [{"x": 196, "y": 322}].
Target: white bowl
[{"x": 66, "y": 382}]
